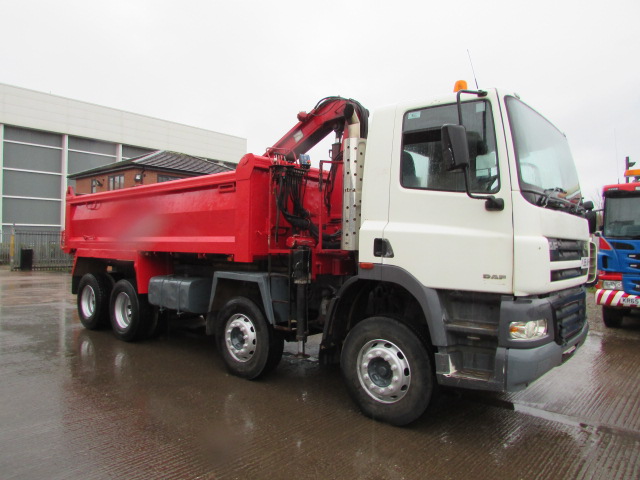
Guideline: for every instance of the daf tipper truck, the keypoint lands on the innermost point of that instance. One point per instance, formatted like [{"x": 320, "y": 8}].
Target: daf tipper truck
[
  {"x": 445, "y": 244},
  {"x": 618, "y": 288}
]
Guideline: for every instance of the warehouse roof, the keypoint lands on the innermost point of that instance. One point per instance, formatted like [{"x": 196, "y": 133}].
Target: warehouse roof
[{"x": 161, "y": 160}]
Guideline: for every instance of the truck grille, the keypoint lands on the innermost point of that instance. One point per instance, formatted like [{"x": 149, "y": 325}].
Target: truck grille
[
  {"x": 561, "y": 250},
  {"x": 570, "y": 314},
  {"x": 567, "y": 273}
]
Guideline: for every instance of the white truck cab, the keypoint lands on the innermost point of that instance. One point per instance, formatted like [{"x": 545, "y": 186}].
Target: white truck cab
[{"x": 498, "y": 261}]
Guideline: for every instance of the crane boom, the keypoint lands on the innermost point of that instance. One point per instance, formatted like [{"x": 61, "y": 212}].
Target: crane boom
[{"x": 341, "y": 115}]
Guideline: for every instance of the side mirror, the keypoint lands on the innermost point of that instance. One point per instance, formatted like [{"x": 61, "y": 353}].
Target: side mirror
[
  {"x": 592, "y": 218},
  {"x": 455, "y": 152},
  {"x": 588, "y": 205},
  {"x": 590, "y": 215},
  {"x": 455, "y": 147}
]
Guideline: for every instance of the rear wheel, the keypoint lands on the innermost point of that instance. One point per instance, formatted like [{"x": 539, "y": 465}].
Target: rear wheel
[
  {"x": 129, "y": 312},
  {"x": 93, "y": 300},
  {"x": 387, "y": 370},
  {"x": 248, "y": 344},
  {"x": 612, "y": 317}
]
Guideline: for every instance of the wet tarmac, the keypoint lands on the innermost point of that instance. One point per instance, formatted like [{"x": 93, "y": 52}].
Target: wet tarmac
[{"x": 81, "y": 404}]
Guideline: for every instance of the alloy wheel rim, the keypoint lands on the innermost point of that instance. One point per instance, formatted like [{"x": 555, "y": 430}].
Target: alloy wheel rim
[
  {"x": 240, "y": 338},
  {"x": 383, "y": 371},
  {"x": 122, "y": 310},
  {"x": 88, "y": 301}
]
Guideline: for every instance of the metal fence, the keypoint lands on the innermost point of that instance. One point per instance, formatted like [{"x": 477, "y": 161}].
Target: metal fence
[{"x": 32, "y": 250}]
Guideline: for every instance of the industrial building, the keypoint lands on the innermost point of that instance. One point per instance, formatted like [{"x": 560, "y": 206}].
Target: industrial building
[{"x": 45, "y": 138}]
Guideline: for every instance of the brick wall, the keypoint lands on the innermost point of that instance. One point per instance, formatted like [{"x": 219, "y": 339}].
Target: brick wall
[{"x": 83, "y": 185}]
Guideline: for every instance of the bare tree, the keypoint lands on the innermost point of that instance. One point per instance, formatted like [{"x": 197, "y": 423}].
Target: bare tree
[{"x": 598, "y": 206}]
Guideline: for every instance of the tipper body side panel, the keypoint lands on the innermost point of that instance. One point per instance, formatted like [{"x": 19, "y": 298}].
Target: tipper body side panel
[{"x": 222, "y": 214}]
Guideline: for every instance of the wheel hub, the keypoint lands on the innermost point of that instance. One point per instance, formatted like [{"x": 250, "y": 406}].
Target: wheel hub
[
  {"x": 380, "y": 372},
  {"x": 240, "y": 338},
  {"x": 122, "y": 310},
  {"x": 88, "y": 301},
  {"x": 383, "y": 371}
]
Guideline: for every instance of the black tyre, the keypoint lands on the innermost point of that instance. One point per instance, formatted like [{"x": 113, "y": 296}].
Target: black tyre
[
  {"x": 130, "y": 312},
  {"x": 93, "y": 300},
  {"x": 248, "y": 344},
  {"x": 612, "y": 317},
  {"x": 276, "y": 348},
  {"x": 388, "y": 370}
]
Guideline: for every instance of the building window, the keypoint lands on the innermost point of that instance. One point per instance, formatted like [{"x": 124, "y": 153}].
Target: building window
[
  {"x": 167, "y": 178},
  {"x": 95, "y": 183},
  {"x": 116, "y": 182}
]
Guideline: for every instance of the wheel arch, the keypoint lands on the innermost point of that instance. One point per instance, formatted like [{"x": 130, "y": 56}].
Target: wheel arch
[
  {"x": 114, "y": 269},
  {"x": 389, "y": 291},
  {"x": 83, "y": 266},
  {"x": 255, "y": 286}
]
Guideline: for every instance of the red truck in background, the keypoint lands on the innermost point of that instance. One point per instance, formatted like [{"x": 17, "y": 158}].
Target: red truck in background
[{"x": 428, "y": 263}]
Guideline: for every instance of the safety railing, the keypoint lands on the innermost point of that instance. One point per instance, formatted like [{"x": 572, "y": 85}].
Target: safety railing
[{"x": 33, "y": 250}]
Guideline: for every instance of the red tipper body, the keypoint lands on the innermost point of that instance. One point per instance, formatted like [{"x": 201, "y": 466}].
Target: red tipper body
[
  {"x": 231, "y": 214},
  {"x": 211, "y": 214},
  {"x": 269, "y": 207}
]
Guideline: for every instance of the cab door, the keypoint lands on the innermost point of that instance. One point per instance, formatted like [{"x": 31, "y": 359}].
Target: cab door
[{"x": 435, "y": 231}]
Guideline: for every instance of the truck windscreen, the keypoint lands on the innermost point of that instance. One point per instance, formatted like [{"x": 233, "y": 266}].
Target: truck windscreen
[
  {"x": 545, "y": 165},
  {"x": 622, "y": 216}
]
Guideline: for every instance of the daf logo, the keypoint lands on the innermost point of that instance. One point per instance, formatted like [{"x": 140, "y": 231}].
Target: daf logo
[{"x": 487, "y": 276}]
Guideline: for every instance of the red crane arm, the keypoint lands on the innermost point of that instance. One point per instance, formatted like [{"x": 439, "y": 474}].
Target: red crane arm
[{"x": 330, "y": 114}]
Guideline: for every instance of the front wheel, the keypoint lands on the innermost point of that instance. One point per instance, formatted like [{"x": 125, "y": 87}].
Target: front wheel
[
  {"x": 248, "y": 344},
  {"x": 129, "y": 312},
  {"x": 387, "y": 370},
  {"x": 612, "y": 317}
]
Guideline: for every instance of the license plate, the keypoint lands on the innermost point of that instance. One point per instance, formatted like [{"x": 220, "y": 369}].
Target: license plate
[
  {"x": 585, "y": 262},
  {"x": 630, "y": 301}
]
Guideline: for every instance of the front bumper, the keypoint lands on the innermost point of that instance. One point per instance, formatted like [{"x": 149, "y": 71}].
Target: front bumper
[
  {"x": 501, "y": 363},
  {"x": 616, "y": 298},
  {"x": 526, "y": 365}
]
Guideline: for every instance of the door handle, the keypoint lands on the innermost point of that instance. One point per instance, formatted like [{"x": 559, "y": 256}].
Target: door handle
[{"x": 382, "y": 248}]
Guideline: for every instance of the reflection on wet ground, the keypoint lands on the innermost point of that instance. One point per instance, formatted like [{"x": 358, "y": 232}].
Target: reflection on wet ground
[{"x": 81, "y": 404}]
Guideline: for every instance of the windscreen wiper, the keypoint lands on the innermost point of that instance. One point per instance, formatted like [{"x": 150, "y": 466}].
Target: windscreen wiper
[
  {"x": 552, "y": 195},
  {"x": 556, "y": 198},
  {"x": 551, "y": 198}
]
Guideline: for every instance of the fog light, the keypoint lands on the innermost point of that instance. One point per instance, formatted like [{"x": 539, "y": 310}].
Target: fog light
[
  {"x": 612, "y": 284},
  {"x": 530, "y": 330}
]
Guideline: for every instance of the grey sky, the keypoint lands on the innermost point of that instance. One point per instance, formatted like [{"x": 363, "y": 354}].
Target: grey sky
[{"x": 247, "y": 67}]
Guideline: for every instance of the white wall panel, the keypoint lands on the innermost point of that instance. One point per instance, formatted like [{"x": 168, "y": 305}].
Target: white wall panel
[{"x": 31, "y": 109}]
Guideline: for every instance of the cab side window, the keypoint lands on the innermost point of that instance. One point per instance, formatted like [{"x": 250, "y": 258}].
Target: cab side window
[{"x": 422, "y": 164}]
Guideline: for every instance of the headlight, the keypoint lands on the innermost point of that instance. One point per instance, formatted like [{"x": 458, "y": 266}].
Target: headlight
[
  {"x": 530, "y": 330},
  {"x": 612, "y": 284}
]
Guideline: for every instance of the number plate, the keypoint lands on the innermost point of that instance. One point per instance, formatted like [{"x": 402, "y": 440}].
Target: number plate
[
  {"x": 630, "y": 301},
  {"x": 585, "y": 262}
]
